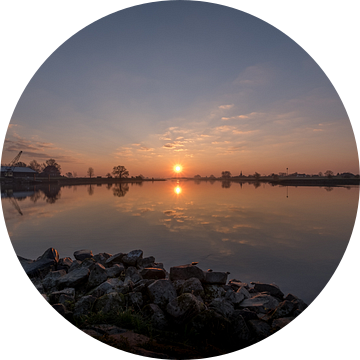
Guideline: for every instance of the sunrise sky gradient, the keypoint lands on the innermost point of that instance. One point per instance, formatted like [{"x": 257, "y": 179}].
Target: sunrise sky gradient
[{"x": 196, "y": 84}]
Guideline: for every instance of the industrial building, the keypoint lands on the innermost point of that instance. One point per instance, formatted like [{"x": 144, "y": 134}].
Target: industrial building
[{"x": 17, "y": 172}]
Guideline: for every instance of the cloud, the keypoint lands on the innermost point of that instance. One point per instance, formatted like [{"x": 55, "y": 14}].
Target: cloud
[
  {"x": 225, "y": 107},
  {"x": 254, "y": 76},
  {"x": 235, "y": 117}
]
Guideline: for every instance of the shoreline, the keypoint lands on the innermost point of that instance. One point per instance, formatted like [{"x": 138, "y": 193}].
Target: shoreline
[{"x": 132, "y": 303}]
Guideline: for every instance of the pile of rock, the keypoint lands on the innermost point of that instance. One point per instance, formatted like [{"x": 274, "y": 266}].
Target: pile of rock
[{"x": 206, "y": 302}]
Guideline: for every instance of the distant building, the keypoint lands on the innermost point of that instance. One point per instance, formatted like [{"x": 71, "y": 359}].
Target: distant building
[{"x": 17, "y": 172}]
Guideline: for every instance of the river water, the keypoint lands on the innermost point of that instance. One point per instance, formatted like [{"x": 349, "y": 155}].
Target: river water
[{"x": 294, "y": 237}]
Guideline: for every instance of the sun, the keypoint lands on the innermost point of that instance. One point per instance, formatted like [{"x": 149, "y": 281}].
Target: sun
[{"x": 177, "y": 168}]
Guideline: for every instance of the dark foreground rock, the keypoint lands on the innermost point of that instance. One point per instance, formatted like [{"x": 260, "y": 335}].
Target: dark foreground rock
[{"x": 126, "y": 300}]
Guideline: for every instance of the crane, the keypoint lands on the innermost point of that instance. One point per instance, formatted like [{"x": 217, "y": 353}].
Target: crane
[{"x": 10, "y": 167}]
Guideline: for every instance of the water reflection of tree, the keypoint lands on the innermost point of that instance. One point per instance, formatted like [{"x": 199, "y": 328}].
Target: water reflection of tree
[
  {"x": 120, "y": 190},
  {"x": 328, "y": 188},
  {"x": 90, "y": 190},
  {"x": 35, "y": 196},
  {"x": 256, "y": 184},
  {"x": 108, "y": 186},
  {"x": 226, "y": 184},
  {"x": 52, "y": 194}
]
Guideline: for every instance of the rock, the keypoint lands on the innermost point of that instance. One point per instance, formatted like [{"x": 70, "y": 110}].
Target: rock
[
  {"x": 222, "y": 306},
  {"x": 193, "y": 286},
  {"x": 240, "y": 329},
  {"x": 132, "y": 276},
  {"x": 243, "y": 290},
  {"x": 156, "y": 316},
  {"x": 213, "y": 291},
  {"x": 114, "y": 259},
  {"x": 260, "y": 328},
  {"x": 278, "y": 324},
  {"x": 38, "y": 285},
  {"x": 64, "y": 264},
  {"x": 84, "y": 306},
  {"x": 110, "y": 285},
  {"x": 299, "y": 304},
  {"x": 110, "y": 304},
  {"x": 54, "y": 297},
  {"x": 136, "y": 299},
  {"x": 60, "y": 308},
  {"x": 236, "y": 284},
  {"x": 114, "y": 271},
  {"x": 50, "y": 281},
  {"x": 184, "y": 272},
  {"x": 132, "y": 257},
  {"x": 38, "y": 268},
  {"x": 159, "y": 266},
  {"x": 211, "y": 326},
  {"x": 246, "y": 314},
  {"x": 284, "y": 309},
  {"x": 153, "y": 273},
  {"x": 147, "y": 262},
  {"x": 216, "y": 277},
  {"x": 234, "y": 298},
  {"x": 101, "y": 258},
  {"x": 184, "y": 308},
  {"x": 74, "y": 265},
  {"x": 272, "y": 289},
  {"x": 74, "y": 278},
  {"x": 97, "y": 276},
  {"x": 260, "y": 303},
  {"x": 67, "y": 300},
  {"x": 81, "y": 255},
  {"x": 161, "y": 292},
  {"x": 51, "y": 254}
]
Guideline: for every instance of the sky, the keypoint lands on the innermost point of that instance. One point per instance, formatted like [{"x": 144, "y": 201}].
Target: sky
[{"x": 197, "y": 84}]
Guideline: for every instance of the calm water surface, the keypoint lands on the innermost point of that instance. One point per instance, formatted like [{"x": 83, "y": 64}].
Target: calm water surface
[{"x": 294, "y": 237}]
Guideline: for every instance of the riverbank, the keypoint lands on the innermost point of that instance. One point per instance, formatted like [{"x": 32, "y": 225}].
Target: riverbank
[{"x": 132, "y": 303}]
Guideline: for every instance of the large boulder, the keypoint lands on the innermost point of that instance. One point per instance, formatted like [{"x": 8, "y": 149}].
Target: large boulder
[
  {"x": 108, "y": 286},
  {"x": 84, "y": 306},
  {"x": 64, "y": 264},
  {"x": 233, "y": 297},
  {"x": 97, "y": 276},
  {"x": 114, "y": 259},
  {"x": 240, "y": 328},
  {"x": 50, "y": 282},
  {"x": 156, "y": 316},
  {"x": 40, "y": 267},
  {"x": 193, "y": 286},
  {"x": 114, "y": 271},
  {"x": 272, "y": 289},
  {"x": 132, "y": 276},
  {"x": 184, "y": 272},
  {"x": 51, "y": 254},
  {"x": 222, "y": 306},
  {"x": 213, "y": 292},
  {"x": 101, "y": 258},
  {"x": 110, "y": 304},
  {"x": 284, "y": 309},
  {"x": 184, "y": 308},
  {"x": 259, "y": 328},
  {"x": 74, "y": 278},
  {"x": 81, "y": 255},
  {"x": 135, "y": 299},
  {"x": 54, "y": 297},
  {"x": 153, "y": 273},
  {"x": 260, "y": 303},
  {"x": 278, "y": 324},
  {"x": 161, "y": 292},
  {"x": 132, "y": 258},
  {"x": 215, "y": 277},
  {"x": 147, "y": 262}
]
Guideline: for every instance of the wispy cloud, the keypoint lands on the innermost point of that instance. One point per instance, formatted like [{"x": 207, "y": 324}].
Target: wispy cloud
[{"x": 226, "y": 107}]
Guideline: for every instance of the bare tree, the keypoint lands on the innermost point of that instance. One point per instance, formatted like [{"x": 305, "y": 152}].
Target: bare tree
[
  {"x": 90, "y": 172},
  {"x": 69, "y": 174},
  {"x": 35, "y": 166}
]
